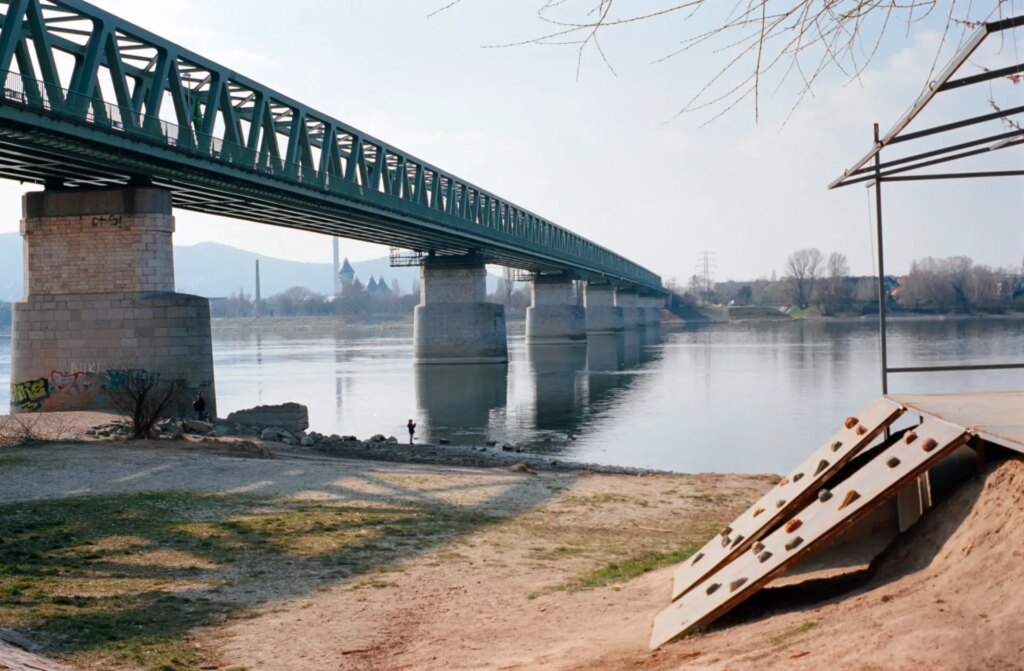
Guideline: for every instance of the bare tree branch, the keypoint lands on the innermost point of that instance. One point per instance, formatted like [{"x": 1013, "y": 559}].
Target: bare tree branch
[{"x": 764, "y": 37}]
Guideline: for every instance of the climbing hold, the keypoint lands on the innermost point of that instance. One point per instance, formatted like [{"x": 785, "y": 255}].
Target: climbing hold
[
  {"x": 861, "y": 429},
  {"x": 794, "y": 544},
  {"x": 739, "y": 539},
  {"x": 798, "y": 477},
  {"x": 712, "y": 588},
  {"x": 824, "y": 495},
  {"x": 725, "y": 541},
  {"x": 836, "y": 445},
  {"x": 850, "y": 422},
  {"x": 736, "y": 584},
  {"x": 910, "y": 437},
  {"x": 758, "y": 511},
  {"x": 783, "y": 482},
  {"x": 757, "y": 547},
  {"x": 780, "y": 503},
  {"x": 822, "y": 465},
  {"x": 850, "y": 497},
  {"x": 929, "y": 444},
  {"x": 793, "y": 525},
  {"x": 893, "y": 462},
  {"x": 726, "y": 531},
  {"x": 700, "y": 555},
  {"x": 764, "y": 556}
]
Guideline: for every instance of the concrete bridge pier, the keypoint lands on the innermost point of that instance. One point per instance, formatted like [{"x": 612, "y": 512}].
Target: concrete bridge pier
[
  {"x": 632, "y": 314},
  {"x": 652, "y": 310},
  {"x": 453, "y": 323},
  {"x": 601, "y": 313},
  {"x": 554, "y": 317},
  {"x": 100, "y": 306}
]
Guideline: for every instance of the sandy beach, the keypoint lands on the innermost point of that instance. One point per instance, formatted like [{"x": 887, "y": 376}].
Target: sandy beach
[{"x": 186, "y": 554}]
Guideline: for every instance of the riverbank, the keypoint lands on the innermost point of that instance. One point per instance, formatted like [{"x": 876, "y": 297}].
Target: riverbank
[{"x": 191, "y": 554}]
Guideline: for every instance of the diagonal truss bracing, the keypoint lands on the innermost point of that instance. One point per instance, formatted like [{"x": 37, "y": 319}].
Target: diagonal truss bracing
[{"x": 90, "y": 99}]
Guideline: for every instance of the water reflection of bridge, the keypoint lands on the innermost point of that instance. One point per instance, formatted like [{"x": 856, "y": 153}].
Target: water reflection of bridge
[{"x": 573, "y": 386}]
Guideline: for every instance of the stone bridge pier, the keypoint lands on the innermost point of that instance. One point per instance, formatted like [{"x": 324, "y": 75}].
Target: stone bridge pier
[
  {"x": 99, "y": 305},
  {"x": 454, "y": 323},
  {"x": 628, "y": 300},
  {"x": 602, "y": 314},
  {"x": 554, "y": 317}
]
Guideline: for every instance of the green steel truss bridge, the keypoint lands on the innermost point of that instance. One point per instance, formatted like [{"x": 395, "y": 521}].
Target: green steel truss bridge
[{"x": 91, "y": 100}]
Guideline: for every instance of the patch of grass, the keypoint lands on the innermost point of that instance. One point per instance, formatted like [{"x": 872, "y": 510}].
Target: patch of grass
[
  {"x": 595, "y": 500},
  {"x": 793, "y": 632},
  {"x": 118, "y": 581},
  {"x": 559, "y": 552},
  {"x": 711, "y": 499},
  {"x": 621, "y": 571},
  {"x": 12, "y": 460}
]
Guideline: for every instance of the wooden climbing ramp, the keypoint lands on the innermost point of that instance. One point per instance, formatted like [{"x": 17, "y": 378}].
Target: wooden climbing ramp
[
  {"x": 815, "y": 503},
  {"x": 791, "y": 493}
]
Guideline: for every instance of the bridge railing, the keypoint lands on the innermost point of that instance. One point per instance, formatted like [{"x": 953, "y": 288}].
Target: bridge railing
[{"x": 444, "y": 193}]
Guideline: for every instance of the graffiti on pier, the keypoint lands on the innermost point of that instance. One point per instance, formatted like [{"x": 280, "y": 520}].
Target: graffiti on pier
[
  {"x": 76, "y": 382},
  {"x": 30, "y": 395},
  {"x": 110, "y": 220},
  {"x": 76, "y": 389}
]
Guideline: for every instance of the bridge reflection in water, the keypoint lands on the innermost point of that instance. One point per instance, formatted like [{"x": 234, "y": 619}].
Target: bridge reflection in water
[{"x": 572, "y": 386}]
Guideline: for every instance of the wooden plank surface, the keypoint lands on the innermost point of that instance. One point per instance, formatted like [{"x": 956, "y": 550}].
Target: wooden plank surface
[
  {"x": 792, "y": 493},
  {"x": 829, "y": 514},
  {"x": 996, "y": 416}
]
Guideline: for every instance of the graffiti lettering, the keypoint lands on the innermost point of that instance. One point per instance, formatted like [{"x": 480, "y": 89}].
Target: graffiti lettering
[
  {"x": 111, "y": 220},
  {"x": 119, "y": 379},
  {"x": 30, "y": 395},
  {"x": 75, "y": 382}
]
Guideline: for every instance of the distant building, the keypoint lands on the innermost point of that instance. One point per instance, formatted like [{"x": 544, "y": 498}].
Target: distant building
[{"x": 347, "y": 278}]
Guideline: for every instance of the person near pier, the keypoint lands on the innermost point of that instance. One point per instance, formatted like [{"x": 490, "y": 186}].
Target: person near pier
[
  {"x": 411, "y": 425},
  {"x": 199, "y": 405}
]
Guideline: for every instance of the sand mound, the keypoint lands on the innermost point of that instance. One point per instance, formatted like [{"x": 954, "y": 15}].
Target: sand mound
[{"x": 947, "y": 595}]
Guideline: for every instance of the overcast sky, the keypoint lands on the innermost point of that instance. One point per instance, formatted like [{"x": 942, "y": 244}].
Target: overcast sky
[{"x": 602, "y": 155}]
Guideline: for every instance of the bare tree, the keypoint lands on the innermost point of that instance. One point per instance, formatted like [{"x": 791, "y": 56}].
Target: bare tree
[
  {"x": 146, "y": 397},
  {"x": 763, "y": 43},
  {"x": 507, "y": 286},
  {"x": 834, "y": 293},
  {"x": 803, "y": 269}
]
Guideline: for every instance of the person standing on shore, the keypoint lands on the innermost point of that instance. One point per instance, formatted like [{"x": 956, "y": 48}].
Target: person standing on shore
[
  {"x": 199, "y": 405},
  {"x": 411, "y": 425}
]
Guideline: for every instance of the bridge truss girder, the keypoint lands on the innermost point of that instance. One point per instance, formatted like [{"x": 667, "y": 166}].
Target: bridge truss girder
[{"x": 90, "y": 99}]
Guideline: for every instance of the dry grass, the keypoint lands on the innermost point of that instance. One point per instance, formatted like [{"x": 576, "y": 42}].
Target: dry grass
[{"x": 88, "y": 590}]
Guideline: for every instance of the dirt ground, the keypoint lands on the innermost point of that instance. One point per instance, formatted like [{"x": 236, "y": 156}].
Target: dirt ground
[{"x": 535, "y": 587}]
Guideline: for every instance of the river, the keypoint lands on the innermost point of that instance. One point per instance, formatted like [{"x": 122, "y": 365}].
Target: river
[{"x": 741, "y": 397}]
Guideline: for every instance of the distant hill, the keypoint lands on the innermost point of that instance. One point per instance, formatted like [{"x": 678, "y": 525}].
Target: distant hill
[
  {"x": 10, "y": 266},
  {"x": 211, "y": 269}
]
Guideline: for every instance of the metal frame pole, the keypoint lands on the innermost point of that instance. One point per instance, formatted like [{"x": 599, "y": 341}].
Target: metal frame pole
[{"x": 881, "y": 265}]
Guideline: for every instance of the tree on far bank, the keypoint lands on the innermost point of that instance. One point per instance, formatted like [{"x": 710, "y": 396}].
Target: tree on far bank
[
  {"x": 834, "y": 293},
  {"x": 803, "y": 268}
]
